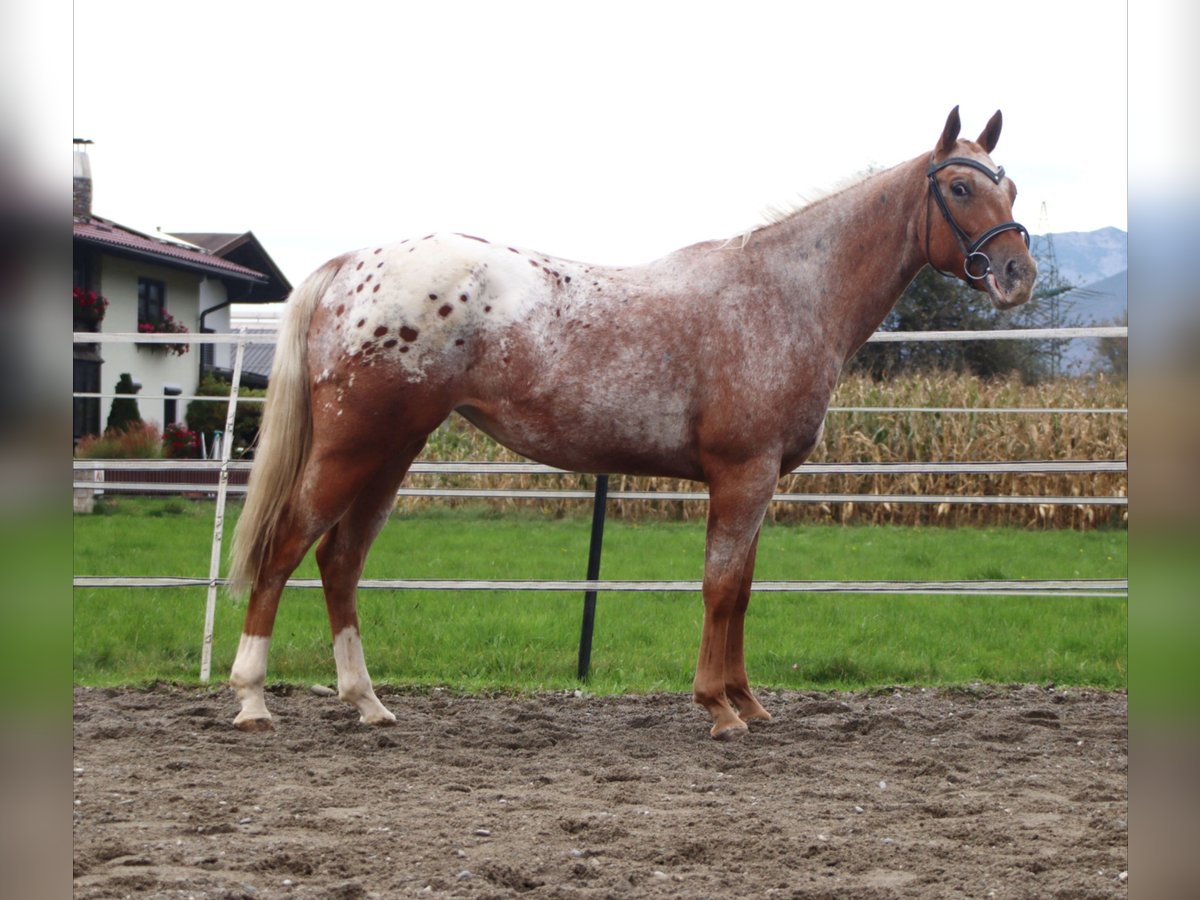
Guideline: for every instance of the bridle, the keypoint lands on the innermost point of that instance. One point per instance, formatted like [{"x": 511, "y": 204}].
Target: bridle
[{"x": 973, "y": 257}]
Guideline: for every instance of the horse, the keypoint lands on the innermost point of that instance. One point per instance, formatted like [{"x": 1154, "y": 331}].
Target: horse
[{"x": 715, "y": 363}]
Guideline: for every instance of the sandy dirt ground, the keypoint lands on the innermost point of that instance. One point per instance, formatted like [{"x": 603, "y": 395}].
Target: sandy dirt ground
[{"x": 990, "y": 792}]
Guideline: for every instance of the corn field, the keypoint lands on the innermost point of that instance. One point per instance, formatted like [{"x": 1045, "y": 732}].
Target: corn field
[{"x": 882, "y": 437}]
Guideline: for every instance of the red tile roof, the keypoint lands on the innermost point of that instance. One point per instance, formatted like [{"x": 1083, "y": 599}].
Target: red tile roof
[{"x": 114, "y": 237}]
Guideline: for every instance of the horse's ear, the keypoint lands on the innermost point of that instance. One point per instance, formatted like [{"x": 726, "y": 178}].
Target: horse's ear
[
  {"x": 989, "y": 137},
  {"x": 949, "y": 133}
]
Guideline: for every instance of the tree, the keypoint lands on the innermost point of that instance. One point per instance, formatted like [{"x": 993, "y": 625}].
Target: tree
[
  {"x": 124, "y": 412},
  {"x": 1114, "y": 352},
  {"x": 205, "y": 416},
  {"x": 933, "y": 302}
]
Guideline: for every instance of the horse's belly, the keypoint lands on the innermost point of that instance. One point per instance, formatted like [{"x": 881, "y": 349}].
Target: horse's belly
[{"x": 634, "y": 442}]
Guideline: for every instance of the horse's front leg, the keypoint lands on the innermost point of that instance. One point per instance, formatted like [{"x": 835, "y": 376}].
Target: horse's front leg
[
  {"x": 737, "y": 684},
  {"x": 738, "y": 498}
]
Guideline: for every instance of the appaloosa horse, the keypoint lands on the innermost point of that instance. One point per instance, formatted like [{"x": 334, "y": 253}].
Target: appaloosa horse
[{"x": 715, "y": 363}]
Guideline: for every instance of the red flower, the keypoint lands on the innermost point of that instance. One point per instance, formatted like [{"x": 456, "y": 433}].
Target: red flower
[{"x": 89, "y": 303}]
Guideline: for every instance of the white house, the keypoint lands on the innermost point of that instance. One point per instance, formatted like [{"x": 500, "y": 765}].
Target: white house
[{"x": 149, "y": 279}]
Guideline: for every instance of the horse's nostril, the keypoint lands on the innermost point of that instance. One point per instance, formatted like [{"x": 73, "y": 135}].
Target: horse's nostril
[{"x": 1012, "y": 271}]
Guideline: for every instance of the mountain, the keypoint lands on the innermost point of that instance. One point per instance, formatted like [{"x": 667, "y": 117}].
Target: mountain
[
  {"x": 1097, "y": 264},
  {"x": 1101, "y": 302},
  {"x": 1085, "y": 257}
]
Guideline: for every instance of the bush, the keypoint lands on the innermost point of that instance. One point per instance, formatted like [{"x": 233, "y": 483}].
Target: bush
[
  {"x": 180, "y": 442},
  {"x": 205, "y": 416},
  {"x": 139, "y": 440},
  {"x": 124, "y": 412}
]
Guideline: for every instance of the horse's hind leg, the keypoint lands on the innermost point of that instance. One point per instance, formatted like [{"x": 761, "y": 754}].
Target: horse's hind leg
[
  {"x": 249, "y": 671},
  {"x": 328, "y": 487},
  {"x": 341, "y": 556}
]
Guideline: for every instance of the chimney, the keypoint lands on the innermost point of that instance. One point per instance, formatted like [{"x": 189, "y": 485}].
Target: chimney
[{"x": 81, "y": 189}]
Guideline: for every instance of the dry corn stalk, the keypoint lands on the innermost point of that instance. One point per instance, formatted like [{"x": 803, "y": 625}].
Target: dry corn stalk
[{"x": 873, "y": 437}]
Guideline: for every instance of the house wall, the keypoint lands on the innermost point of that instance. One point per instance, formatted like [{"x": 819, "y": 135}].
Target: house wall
[
  {"x": 213, "y": 293},
  {"x": 155, "y": 369}
]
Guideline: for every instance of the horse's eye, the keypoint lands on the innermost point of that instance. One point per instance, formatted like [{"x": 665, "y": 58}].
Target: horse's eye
[{"x": 959, "y": 189}]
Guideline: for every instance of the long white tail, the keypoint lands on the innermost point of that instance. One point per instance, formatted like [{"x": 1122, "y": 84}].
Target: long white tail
[{"x": 284, "y": 437}]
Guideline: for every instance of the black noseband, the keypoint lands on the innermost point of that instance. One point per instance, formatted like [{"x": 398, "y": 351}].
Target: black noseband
[{"x": 976, "y": 264}]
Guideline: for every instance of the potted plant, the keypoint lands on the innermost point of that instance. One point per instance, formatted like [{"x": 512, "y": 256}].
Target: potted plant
[
  {"x": 164, "y": 324},
  {"x": 88, "y": 308}
]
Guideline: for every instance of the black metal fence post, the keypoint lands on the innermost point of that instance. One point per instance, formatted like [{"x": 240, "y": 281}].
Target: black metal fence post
[{"x": 599, "y": 504}]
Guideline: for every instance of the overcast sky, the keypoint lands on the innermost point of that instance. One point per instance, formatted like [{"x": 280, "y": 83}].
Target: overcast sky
[{"x": 610, "y": 132}]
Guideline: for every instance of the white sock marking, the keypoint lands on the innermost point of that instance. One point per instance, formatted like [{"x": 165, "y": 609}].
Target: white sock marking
[
  {"x": 354, "y": 683},
  {"x": 248, "y": 675}
]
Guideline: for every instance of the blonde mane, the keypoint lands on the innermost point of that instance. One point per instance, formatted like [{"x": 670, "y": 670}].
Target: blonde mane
[{"x": 774, "y": 214}]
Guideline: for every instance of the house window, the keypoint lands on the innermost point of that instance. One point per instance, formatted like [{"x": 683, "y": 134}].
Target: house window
[
  {"x": 170, "y": 404},
  {"x": 86, "y": 380},
  {"x": 152, "y": 300}
]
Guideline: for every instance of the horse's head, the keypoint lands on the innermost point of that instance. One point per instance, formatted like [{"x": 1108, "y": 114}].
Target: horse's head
[{"x": 970, "y": 234}]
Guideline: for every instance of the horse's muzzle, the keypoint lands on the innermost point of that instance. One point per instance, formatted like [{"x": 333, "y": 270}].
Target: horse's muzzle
[{"x": 1009, "y": 281}]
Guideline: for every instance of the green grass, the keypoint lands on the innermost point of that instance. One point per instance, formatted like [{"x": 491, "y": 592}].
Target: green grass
[{"x": 529, "y": 641}]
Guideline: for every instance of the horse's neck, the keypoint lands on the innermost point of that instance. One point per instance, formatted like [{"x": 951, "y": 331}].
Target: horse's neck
[{"x": 849, "y": 257}]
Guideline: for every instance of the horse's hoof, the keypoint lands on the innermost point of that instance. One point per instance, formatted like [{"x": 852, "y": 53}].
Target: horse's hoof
[
  {"x": 758, "y": 715},
  {"x": 729, "y": 732},
  {"x": 388, "y": 721},
  {"x": 251, "y": 725}
]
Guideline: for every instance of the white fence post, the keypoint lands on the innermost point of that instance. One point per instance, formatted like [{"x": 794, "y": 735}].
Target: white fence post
[{"x": 214, "y": 563}]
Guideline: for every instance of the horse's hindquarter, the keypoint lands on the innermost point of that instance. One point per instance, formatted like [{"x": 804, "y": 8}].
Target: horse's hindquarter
[{"x": 583, "y": 367}]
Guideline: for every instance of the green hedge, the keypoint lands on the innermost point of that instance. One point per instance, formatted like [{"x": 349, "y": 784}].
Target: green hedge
[{"x": 205, "y": 416}]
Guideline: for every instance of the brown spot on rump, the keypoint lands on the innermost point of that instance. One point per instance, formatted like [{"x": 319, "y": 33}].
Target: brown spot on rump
[
  {"x": 368, "y": 278},
  {"x": 471, "y": 237},
  {"x": 463, "y": 298},
  {"x": 375, "y": 290},
  {"x": 378, "y": 249},
  {"x": 487, "y": 309},
  {"x": 359, "y": 266},
  {"x": 390, "y": 343},
  {"x": 433, "y": 296},
  {"x": 341, "y": 309},
  {"x": 515, "y": 250},
  {"x": 459, "y": 342},
  {"x": 427, "y": 237},
  {"x": 409, "y": 334},
  {"x": 568, "y": 279},
  {"x": 380, "y": 266},
  {"x": 445, "y": 310},
  {"x": 361, "y": 323},
  {"x": 381, "y": 331},
  {"x": 358, "y": 290},
  {"x": 366, "y": 344},
  {"x": 404, "y": 349},
  {"x": 533, "y": 262}
]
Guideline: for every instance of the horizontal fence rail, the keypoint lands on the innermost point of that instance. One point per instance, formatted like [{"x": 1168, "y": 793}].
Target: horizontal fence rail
[
  {"x": 530, "y": 468},
  {"x": 488, "y": 467},
  {"x": 1083, "y": 587},
  {"x": 883, "y": 337}
]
